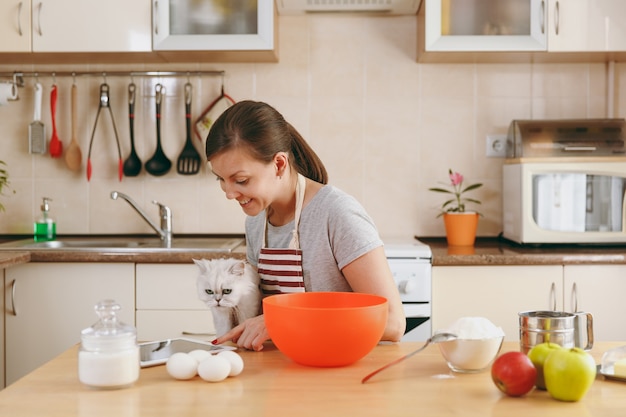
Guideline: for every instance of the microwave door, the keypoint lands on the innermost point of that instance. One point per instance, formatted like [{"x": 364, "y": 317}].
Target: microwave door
[{"x": 560, "y": 202}]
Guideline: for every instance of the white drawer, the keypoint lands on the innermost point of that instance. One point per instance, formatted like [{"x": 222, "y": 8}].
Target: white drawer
[
  {"x": 167, "y": 287},
  {"x": 167, "y": 324}
]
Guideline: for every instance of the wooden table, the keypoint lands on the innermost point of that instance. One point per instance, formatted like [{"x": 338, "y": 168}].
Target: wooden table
[{"x": 272, "y": 385}]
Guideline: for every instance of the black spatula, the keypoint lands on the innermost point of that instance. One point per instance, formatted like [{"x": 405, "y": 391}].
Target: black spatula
[{"x": 189, "y": 159}]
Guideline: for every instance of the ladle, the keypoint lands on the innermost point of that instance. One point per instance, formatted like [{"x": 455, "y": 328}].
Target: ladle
[
  {"x": 132, "y": 164},
  {"x": 159, "y": 164},
  {"x": 436, "y": 338}
]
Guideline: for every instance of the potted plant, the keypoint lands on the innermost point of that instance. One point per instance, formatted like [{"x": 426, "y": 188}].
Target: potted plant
[
  {"x": 4, "y": 181},
  {"x": 460, "y": 223}
]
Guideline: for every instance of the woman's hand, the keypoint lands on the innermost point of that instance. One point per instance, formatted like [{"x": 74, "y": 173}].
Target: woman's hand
[{"x": 249, "y": 335}]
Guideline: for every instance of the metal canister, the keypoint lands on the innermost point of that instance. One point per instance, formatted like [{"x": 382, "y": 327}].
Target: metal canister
[{"x": 537, "y": 327}]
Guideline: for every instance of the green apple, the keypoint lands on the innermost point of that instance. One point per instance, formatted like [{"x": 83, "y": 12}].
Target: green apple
[
  {"x": 569, "y": 373},
  {"x": 538, "y": 355}
]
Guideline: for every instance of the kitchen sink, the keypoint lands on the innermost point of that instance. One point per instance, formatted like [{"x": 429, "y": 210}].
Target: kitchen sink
[{"x": 127, "y": 244}]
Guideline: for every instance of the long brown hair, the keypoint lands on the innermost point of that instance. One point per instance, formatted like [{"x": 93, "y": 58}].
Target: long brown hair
[{"x": 264, "y": 132}]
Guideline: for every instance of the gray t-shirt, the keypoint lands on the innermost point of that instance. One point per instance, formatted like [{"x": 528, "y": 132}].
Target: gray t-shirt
[{"x": 334, "y": 231}]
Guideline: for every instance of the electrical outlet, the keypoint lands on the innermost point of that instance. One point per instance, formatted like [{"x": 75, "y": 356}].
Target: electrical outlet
[{"x": 496, "y": 146}]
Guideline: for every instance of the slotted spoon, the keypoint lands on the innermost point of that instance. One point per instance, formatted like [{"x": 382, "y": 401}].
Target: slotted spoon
[{"x": 189, "y": 159}]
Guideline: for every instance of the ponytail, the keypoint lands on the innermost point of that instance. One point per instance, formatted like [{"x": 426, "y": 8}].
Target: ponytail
[{"x": 305, "y": 159}]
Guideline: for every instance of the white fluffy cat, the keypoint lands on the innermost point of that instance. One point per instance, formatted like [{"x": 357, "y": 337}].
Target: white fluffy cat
[{"x": 230, "y": 288}]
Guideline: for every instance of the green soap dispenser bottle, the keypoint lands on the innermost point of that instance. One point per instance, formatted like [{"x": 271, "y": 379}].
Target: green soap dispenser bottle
[{"x": 45, "y": 228}]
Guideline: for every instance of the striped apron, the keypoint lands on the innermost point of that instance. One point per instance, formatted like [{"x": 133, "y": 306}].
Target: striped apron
[{"x": 280, "y": 270}]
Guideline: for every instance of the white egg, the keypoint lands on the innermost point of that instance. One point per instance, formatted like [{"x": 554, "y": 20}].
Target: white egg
[
  {"x": 182, "y": 366},
  {"x": 236, "y": 362},
  {"x": 200, "y": 354},
  {"x": 214, "y": 368}
]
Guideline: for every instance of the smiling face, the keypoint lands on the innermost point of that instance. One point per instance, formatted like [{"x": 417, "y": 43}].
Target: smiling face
[{"x": 253, "y": 183}]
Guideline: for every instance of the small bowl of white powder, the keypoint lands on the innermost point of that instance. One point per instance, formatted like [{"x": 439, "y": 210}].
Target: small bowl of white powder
[{"x": 477, "y": 344}]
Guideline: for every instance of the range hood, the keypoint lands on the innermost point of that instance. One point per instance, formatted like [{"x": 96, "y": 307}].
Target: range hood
[{"x": 391, "y": 7}]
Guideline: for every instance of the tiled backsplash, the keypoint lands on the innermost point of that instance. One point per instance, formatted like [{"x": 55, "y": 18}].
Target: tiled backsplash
[{"x": 386, "y": 127}]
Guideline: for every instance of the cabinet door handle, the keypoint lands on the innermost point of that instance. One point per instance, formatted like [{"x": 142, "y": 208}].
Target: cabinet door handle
[
  {"x": 13, "y": 285},
  {"x": 556, "y": 18},
  {"x": 156, "y": 17},
  {"x": 553, "y": 296},
  {"x": 574, "y": 299},
  {"x": 19, "y": 18},
  {"x": 39, "y": 18},
  {"x": 542, "y": 16}
]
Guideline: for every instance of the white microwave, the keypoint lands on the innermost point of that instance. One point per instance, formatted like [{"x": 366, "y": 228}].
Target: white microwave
[{"x": 564, "y": 200}]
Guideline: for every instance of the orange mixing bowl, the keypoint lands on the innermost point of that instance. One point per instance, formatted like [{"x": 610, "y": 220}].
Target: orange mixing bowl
[{"x": 325, "y": 329}]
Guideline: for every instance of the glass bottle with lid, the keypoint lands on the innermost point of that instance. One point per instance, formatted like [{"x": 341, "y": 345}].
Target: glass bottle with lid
[{"x": 109, "y": 355}]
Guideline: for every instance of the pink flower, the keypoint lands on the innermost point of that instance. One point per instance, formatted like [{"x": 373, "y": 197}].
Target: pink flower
[
  {"x": 457, "y": 201},
  {"x": 456, "y": 178}
]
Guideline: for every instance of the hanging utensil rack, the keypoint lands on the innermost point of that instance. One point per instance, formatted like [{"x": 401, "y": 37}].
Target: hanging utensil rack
[{"x": 18, "y": 76}]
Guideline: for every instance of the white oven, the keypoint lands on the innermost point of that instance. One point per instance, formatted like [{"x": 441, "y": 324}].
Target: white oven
[{"x": 411, "y": 265}]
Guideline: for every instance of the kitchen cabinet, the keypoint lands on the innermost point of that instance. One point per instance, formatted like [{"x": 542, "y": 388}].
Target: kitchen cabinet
[
  {"x": 75, "y": 26},
  {"x": 496, "y": 292},
  {"x": 479, "y": 25},
  {"x": 522, "y": 26},
  {"x": 168, "y": 305},
  {"x": 239, "y": 25},
  {"x": 598, "y": 289},
  {"x": 96, "y": 26},
  {"x": 48, "y": 304},
  {"x": 2, "y": 339},
  {"x": 15, "y": 33},
  {"x": 144, "y": 31},
  {"x": 586, "y": 25}
]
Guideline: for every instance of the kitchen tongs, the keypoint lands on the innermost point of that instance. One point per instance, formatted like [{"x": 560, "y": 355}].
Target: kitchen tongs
[{"x": 104, "y": 103}]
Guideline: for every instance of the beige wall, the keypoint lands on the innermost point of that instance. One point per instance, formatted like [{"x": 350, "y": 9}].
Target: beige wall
[{"x": 387, "y": 128}]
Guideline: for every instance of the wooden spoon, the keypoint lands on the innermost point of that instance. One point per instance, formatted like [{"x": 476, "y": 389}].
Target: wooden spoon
[{"x": 73, "y": 155}]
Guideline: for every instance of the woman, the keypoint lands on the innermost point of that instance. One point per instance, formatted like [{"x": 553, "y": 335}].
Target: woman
[{"x": 301, "y": 234}]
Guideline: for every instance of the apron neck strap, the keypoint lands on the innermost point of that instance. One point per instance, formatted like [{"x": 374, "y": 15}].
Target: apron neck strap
[{"x": 295, "y": 240}]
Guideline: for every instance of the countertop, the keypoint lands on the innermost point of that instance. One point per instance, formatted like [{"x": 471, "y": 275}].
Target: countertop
[
  {"x": 140, "y": 256},
  {"x": 134, "y": 257},
  {"x": 486, "y": 251},
  {"x": 495, "y": 251},
  {"x": 272, "y": 385},
  {"x": 8, "y": 259}
]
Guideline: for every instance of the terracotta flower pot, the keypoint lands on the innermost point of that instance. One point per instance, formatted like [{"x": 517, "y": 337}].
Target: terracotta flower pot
[{"x": 461, "y": 228}]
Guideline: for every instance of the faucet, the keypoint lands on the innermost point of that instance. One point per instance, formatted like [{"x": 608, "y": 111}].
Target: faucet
[{"x": 165, "y": 231}]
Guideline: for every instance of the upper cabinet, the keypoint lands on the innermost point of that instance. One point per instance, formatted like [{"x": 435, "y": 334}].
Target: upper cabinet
[
  {"x": 479, "y": 25},
  {"x": 75, "y": 26},
  {"x": 15, "y": 33},
  {"x": 137, "y": 31},
  {"x": 586, "y": 25},
  {"x": 183, "y": 25},
  {"x": 90, "y": 26},
  {"x": 522, "y": 26}
]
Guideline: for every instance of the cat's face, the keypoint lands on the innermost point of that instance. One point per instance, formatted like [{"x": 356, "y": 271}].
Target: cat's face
[{"x": 220, "y": 282}]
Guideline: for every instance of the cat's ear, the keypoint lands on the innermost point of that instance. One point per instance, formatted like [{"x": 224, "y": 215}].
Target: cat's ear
[
  {"x": 201, "y": 264},
  {"x": 238, "y": 268}
]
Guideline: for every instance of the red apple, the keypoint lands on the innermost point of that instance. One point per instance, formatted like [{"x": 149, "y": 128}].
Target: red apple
[{"x": 513, "y": 373}]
